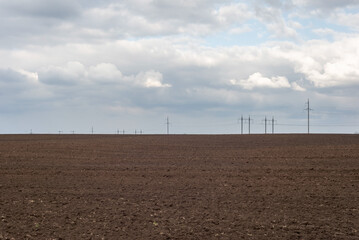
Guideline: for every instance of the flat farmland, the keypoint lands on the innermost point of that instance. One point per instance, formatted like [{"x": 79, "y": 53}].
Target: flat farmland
[{"x": 179, "y": 186}]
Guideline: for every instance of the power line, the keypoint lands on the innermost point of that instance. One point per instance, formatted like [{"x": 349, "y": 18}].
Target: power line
[
  {"x": 208, "y": 124},
  {"x": 294, "y": 125},
  {"x": 335, "y": 125}
]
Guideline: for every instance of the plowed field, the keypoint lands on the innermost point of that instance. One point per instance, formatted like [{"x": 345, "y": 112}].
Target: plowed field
[{"x": 179, "y": 186}]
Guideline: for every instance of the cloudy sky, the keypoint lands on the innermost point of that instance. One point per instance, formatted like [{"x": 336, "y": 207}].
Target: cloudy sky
[{"x": 70, "y": 65}]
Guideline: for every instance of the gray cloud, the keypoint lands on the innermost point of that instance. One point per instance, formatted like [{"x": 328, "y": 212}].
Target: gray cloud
[
  {"x": 40, "y": 8},
  {"x": 137, "y": 60},
  {"x": 55, "y": 22},
  {"x": 322, "y": 5},
  {"x": 273, "y": 19},
  {"x": 325, "y": 4}
]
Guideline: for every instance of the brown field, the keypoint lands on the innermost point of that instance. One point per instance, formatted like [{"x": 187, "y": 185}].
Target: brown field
[{"x": 179, "y": 187}]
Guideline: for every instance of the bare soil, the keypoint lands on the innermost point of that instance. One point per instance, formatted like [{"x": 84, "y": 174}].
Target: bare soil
[{"x": 179, "y": 186}]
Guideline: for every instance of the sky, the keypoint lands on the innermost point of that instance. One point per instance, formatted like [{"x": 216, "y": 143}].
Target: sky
[{"x": 77, "y": 66}]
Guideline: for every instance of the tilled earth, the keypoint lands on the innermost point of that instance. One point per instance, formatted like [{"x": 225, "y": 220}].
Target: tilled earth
[{"x": 179, "y": 186}]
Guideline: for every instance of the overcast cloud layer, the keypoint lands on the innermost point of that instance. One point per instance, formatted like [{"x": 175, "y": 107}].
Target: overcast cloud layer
[{"x": 73, "y": 65}]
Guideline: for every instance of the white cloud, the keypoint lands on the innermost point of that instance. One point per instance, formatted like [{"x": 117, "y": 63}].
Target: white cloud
[
  {"x": 256, "y": 80},
  {"x": 273, "y": 19},
  {"x": 329, "y": 64},
  {"x": 325, "y": 4},
  {"x": 144, "y": 18},
  {"x": 336, "y": 73},
  {"x": 347, "y": 19},
  {"x": 233, "y": 14},
  {"x": 297, "y": 87},
  {"x": 105, "y": 72},
  {"x": 75, "y": 73},
  {"x": 151, "y": 79},
  {"x": 32, "y": 76},
  {"x": 325, "y": 32}
]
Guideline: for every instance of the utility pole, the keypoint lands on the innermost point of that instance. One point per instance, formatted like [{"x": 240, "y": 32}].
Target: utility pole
[
  {"x": 168, "y": 125},
  {"x": 91, "y": 130},
  {"x": 308, "y": 109},
  {"x": 249, "y": 124},
  {"x": 272, "y": 125},
  {"x": 265, "y": 125},
  {"x": 242, "y": 124}
]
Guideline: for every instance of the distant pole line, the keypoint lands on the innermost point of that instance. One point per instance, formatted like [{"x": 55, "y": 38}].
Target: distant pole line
[
  {"x": 308, "y": 109},
  {"x": 91, "y": 130},
  {"x": 168, "y": 125}
]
